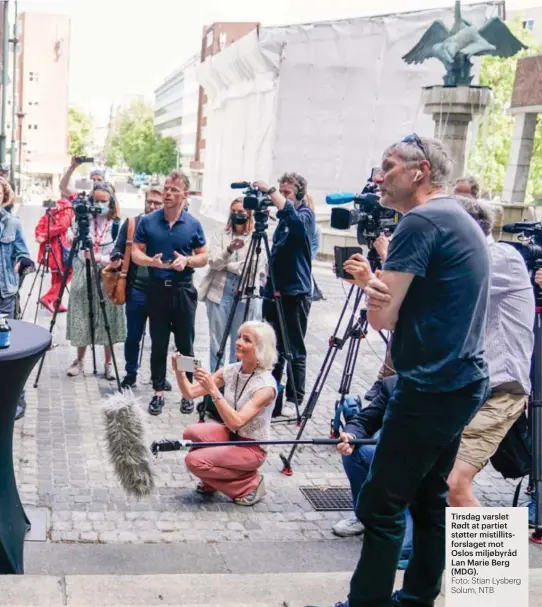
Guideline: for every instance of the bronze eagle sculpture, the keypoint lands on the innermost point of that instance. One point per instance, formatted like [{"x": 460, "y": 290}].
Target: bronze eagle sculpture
[{"x": 456, "y": 46}]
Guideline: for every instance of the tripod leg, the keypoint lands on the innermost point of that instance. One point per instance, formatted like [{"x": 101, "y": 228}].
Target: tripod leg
[
  {"x": 40, "y": 289},
  {"x": 31, "y": 289},
  {"x": 335, "y": 344},
  {"x": 101, "y": 300},
  {"x": 90, "y": 300},
  {"x": 283, "y": 333},
  {"x": 242, "y": 285},
  {"x": 69, "y": 265}
]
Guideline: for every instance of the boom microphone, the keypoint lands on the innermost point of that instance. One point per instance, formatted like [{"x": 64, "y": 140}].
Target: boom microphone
[
  {"x": 127, "y": 443},
  {"x": 240, "y": 185},
  {"x": 341, "y": 198}
]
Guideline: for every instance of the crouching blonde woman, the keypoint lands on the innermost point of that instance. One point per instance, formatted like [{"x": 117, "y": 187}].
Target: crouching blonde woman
[{"x": 245, "y": 408}]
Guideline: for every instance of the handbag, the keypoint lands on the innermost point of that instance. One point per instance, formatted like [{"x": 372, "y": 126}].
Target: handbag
[{"x": 115, "y": 279}]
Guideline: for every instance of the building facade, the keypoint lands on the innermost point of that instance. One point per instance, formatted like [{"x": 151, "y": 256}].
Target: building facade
[
  {"x": 42, "y": 96},
  {"x": 531, "y": 19},
  {"x": 215, "y": 38},
  {"x": 176, "y": 115}
]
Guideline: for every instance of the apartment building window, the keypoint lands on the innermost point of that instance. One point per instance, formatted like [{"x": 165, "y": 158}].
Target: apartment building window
[
  {"x": 33, "y": 76},
  {"x": 222, "y": 40},
  {"x": 528, "y": 25},
  {"x": 210, "y": 38}
]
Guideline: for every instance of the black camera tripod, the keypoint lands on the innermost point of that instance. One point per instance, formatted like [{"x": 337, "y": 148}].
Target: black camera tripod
[
  {"x": 356, "y": 330},
  {"x": 83, "y": 242},
  {"x": 43, "y": 268},
  {"x": 246, "y": 289}
]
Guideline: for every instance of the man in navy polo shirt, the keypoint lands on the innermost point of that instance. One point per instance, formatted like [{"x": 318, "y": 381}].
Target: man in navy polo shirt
[{"x": 171, "y": 243}]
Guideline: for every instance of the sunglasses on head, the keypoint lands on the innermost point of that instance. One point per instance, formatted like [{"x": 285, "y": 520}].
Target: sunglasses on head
[{"x": 415, "y": 140}]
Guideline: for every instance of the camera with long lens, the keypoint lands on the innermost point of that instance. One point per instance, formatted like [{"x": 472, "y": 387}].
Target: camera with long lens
[
  {"x": 370, "y": 217},
  {"x": 529, "y": 246}
]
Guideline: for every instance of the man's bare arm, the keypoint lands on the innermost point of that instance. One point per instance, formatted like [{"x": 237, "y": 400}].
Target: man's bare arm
[{"x": 385, "y": 296}]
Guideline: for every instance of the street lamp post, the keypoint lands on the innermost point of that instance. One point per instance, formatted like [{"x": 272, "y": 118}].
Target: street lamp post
[
  {"x": 15, "y": 42},
  {"x": 5, "y": 61},
  {"x": 20, "y": 116}
]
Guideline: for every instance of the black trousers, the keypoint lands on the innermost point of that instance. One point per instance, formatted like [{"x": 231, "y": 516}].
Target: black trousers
[
  {"x": 296, "y": 314},
  {"x": 171, "y": 310},
  {"x": 413, "y": 458}
]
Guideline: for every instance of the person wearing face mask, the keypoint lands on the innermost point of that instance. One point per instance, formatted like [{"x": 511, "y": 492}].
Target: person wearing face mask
[
  {"x": 227, "y": 256},
  {"x": 104, "y": 229}
]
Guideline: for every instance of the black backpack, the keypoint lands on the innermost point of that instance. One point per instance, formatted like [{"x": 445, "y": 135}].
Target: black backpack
[{"x": 513, "y": 458}]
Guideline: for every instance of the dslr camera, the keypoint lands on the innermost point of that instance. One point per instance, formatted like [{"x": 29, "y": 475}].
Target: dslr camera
[
  {"x": 84, "y": 207},
  {"x": 368, "y": 215}
]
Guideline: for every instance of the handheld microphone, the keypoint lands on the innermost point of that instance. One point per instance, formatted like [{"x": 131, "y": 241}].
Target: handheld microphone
[
  {"x": 240, "y": 185},
  {"x": 341, "y": 198}
]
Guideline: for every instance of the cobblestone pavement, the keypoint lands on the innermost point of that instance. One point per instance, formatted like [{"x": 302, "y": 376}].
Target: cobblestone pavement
[{"x": 61, "y": 461}]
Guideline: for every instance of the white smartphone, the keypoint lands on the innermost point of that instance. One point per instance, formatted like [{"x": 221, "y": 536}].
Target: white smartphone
[{"x": 188, "y": 363}]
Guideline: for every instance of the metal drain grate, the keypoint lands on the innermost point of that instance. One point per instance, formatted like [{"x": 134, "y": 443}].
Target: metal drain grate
[{"x": 328, "y": 499}]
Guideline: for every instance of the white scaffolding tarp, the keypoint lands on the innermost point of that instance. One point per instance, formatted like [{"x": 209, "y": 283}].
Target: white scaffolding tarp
[{"x": 323, "y": 99}]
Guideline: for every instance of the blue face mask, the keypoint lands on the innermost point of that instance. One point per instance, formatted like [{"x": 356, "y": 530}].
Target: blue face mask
[{"x": 104, "y": 208}]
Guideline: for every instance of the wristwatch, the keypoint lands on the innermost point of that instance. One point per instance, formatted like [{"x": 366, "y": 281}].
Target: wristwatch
[{"x": 271, "y": 191}]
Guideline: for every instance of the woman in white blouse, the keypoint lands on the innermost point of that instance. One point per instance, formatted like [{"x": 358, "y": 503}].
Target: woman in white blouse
[
  {"x": 245, "y": 408},
  {"x": 227, "y": 256}
]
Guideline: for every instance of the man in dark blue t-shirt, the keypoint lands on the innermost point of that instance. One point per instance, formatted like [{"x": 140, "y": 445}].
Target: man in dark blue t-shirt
[
  {"x": 433, "y": 293},
  {"x": 171, "y": 243}
]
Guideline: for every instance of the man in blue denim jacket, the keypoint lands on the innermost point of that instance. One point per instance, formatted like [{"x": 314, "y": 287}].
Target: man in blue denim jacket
[{"x": 13, "y": 250}]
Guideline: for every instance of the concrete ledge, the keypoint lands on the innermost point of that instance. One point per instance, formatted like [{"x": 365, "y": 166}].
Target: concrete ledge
[{"x": 224, "y": 590}]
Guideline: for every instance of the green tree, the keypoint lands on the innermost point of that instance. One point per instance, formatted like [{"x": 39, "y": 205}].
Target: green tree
[
  {"x": 79, "y": 129},
  {"x": 489, "y": 156},
  {"x": 135, "y": 141}
]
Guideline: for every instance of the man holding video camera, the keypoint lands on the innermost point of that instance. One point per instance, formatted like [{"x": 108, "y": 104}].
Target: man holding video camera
[
  {"x": 291, "y": 264},
  {"x": 171, "y": 243},
  {"x": 433, "y": 293}
]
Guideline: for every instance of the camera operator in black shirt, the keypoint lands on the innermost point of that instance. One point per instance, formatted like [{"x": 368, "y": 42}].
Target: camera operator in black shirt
[
  {"x": 433, "y": 293},
  {"x": 291, "y": 263}
]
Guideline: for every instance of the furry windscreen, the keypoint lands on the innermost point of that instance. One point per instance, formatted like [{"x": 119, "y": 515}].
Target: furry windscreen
[{"x": 127, "y": 443}]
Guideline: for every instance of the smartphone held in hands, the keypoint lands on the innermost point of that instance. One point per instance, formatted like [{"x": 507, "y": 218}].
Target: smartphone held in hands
[
  {"x": 342, "y": 254},
  {"x": 187, "y": 363}
]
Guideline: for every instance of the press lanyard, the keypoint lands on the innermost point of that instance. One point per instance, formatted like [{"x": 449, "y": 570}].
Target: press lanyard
[{"x": 238, "y": 398}]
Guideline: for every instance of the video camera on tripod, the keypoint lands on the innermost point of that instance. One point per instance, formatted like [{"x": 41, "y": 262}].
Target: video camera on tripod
[
  {"x": 368, "y": 215},
  {"x": 84, "y": 208},
  {"x": 529, "y": 246},
  {"x": 256, "y": 201}
]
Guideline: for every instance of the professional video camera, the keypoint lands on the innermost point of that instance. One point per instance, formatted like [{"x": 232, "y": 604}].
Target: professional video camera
[
  {"x": 255, "y": 199},
  {"x": 84, "y": 208},
  {"x": 371, "y": 218},
  {"x": 530, "y": 241}
]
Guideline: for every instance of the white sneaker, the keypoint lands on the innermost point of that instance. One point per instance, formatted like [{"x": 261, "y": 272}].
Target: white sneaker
[
  {"x": 288, "y": 410},
  {"x": 348, "y": 527},
  {"x": 75, "y": 368}
]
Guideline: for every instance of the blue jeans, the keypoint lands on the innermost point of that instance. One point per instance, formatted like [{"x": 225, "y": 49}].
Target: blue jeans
[
  {"x": 357, "y": 467},
  {"x": 218, "y": 315},
  {"x": 137, "y": 313}
]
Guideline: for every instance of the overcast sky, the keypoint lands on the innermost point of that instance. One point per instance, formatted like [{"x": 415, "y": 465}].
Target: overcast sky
[{"x": 132, "y": 50}]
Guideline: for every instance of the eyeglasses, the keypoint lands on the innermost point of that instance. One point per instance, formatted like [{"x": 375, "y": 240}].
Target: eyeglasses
[
  {"x": 414, "y": 139},
  {"x": 155, "y": 203}
]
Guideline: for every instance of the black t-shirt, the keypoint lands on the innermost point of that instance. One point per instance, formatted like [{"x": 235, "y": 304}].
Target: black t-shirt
[{"x": 439, "y": 339}]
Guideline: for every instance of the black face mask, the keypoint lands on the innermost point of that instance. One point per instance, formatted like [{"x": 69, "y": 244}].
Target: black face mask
[{"x": 238, "y": 219}]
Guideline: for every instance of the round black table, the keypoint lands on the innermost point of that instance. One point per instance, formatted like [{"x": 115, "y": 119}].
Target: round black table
[{"x": 28, "y": 344}]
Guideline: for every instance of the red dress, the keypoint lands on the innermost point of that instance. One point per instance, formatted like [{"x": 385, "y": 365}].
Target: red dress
[{"x": 61, "y": 220}]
